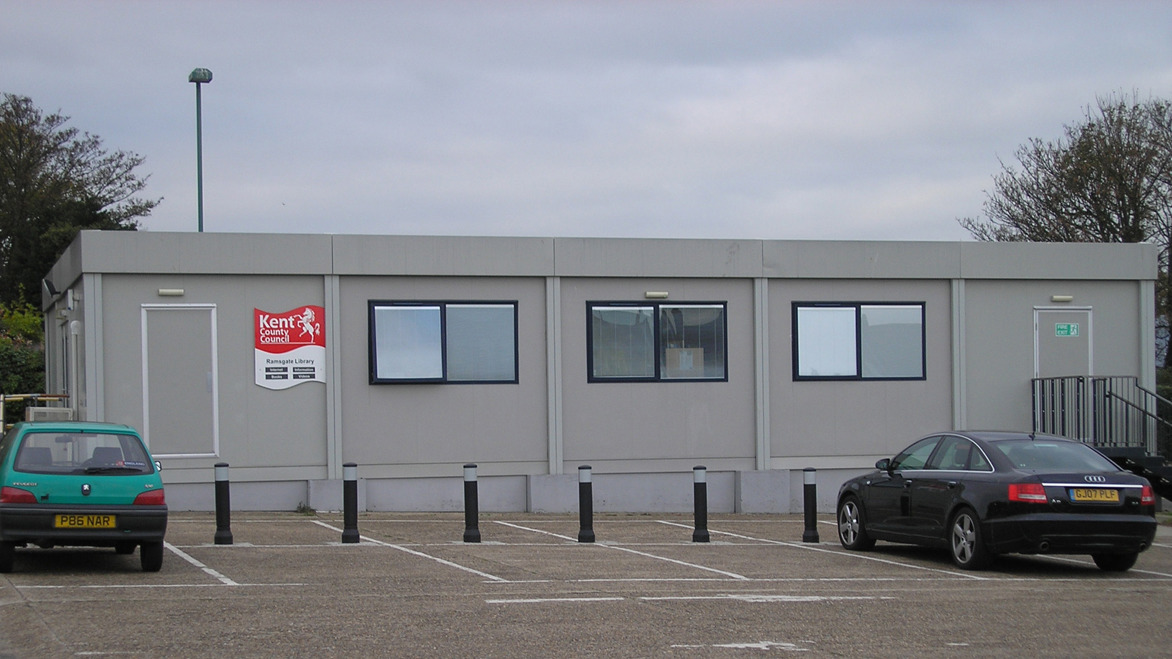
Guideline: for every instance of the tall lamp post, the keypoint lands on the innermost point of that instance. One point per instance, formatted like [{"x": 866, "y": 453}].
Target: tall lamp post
[{"x": 199, "y": 76}]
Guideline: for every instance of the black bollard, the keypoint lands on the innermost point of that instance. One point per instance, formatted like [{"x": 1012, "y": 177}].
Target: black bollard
[
  {"x": 223, "y": 506},
  {"x": 471, "y": 505},
  {"x": 810, "y": 491},
  {"x": 585, "y": 505},
  {"x": 350, "y": 503},
  {"x": 700, "y": 490}
]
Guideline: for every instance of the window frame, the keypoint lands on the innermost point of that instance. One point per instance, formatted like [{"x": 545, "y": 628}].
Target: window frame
[
  {"x": 858, "y": 375},
  {"x": 657, "y": 332},
  {"x": 442, "y": 305}
]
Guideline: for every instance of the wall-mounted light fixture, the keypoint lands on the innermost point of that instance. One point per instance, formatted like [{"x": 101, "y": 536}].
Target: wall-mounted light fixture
[
  {"x": 655, "y": 295},
  {"x": 171, "y": 292},
  {"x": 1061, "y": 298}
]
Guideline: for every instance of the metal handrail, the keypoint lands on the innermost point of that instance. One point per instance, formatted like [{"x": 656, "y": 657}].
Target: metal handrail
[
  {"x": 1112, "y": 411},
  {"x": 1154, "y": 417}
]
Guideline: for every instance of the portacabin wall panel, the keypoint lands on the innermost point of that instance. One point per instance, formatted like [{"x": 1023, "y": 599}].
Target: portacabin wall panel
[
  {"x": 406, "y": 424},
  {"x": 813, "y": 418},
  {"x": 1058, "y": 261},
  {"x": 1000, "y": 319},
  {"x": 817, "y": 259},
  {"x": 258, "y": 427},
  {"x": 614, "y": 257},
  {"x": 646, "y": 424},
  {"x": 210, "y": 253},
  {"x": 472, "y": 256}
]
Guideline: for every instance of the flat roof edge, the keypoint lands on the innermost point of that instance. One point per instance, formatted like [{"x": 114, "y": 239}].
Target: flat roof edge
[{"x": 145, "y": 252}]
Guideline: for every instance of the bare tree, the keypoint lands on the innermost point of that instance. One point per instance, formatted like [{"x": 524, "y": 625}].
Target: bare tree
[{"x": 1108, "y": 179}]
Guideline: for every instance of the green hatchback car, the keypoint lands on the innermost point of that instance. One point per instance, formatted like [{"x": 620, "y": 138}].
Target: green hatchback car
[{"x": 80, "y": 483}]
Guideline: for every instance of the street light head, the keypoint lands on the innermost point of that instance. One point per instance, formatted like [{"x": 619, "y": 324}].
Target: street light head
[{"x": 200, "y": 75}]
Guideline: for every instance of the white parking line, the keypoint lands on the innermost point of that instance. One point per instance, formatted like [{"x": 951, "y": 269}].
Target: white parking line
[
  {"x": 555, "y": 600},
  {"x": 1068, "y": 559},
  {"x": 812, "y": 547},
  {"x": 401, "y": 548},
  {"x": 763, "y": 598},
  {"x": 752, "y": 645},
  {"x": 181, "y": 554},
  {"x": 730, "y": 575},
  {"x": 152, "y": 586}
]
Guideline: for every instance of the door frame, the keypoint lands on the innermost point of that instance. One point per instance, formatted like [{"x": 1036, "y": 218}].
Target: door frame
[{"x": 1090, "y": 336}]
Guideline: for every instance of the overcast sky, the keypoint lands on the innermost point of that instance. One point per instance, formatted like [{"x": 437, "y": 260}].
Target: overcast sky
[{"x": 733, "y": 119}]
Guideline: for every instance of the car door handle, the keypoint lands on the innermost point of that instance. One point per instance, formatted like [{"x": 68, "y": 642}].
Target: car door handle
[
  {"x": 951, "y": 484},
  {"x": 907, "y": 484}
]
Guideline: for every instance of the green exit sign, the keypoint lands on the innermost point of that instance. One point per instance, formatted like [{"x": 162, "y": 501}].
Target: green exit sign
[{"x": 1065, "y": 329}]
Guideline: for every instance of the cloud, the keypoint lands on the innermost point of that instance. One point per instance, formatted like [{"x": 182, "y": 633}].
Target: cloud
[{"x": 692, "y": 119}]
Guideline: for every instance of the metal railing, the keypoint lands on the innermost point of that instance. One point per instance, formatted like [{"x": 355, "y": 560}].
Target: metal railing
[
  {"x": 29, "y": 400},
  {"x": 1060, "y": 407},
  {"x": 1106, "y": 411}
]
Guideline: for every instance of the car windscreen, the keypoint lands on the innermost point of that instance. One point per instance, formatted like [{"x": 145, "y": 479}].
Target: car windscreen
[
  {"x": 82, "y": 453},
  {"x": 1042, "y": 455}
]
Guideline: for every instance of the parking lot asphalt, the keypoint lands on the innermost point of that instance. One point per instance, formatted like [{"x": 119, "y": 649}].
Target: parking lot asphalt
[{"x": 288, "y": 586}]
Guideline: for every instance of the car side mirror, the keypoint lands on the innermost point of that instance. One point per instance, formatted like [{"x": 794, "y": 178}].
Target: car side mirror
[
  {"x": 158, "y": 466},
  {"x": 884, "y": 465}
]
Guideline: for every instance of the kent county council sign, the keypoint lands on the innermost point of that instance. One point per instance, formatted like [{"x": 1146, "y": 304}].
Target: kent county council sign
[{"x": 290, "y": 347}]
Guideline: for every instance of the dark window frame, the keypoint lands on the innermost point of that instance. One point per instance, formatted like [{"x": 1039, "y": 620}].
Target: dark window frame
[
  {"x": 658, "y": 348},
  {"x": 444, "y": 378},
  {"x": 858, "y": 307}
]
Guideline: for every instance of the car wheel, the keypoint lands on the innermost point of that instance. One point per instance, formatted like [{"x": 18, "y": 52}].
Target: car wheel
[
  {"x": 965, "y": 541},
  {"x": 152, "y": 556},
  {"x": 7, "y": 556},
  {"x": 124, "y": 548},
  {"x": 852, "y": 529},
  {"x": 1115, "y": 562}
]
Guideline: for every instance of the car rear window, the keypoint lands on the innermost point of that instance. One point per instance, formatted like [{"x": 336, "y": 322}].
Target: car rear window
[
  {"x": 82, "y": 453},
  {"x": 1041, "y": 455}
]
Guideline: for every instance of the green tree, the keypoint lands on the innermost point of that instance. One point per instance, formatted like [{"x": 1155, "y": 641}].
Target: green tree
[
  {"x": 1108, "y": 179},
  {"x": 54, "y": 182},
  {"x": 22, "y": 359}
]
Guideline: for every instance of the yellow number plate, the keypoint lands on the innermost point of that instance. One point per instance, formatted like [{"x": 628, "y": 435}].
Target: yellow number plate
[
  {"x": 1094, "y": 495},
  {"x": 85, "y": 522}
]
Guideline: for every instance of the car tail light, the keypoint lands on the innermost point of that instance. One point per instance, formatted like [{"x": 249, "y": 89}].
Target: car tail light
[
  {"x": 1148, "y": 497},
  {"x": 1027, "y": 492},
  {"x": 16, "y": 495},
  {"x": 150, "y": 498}
]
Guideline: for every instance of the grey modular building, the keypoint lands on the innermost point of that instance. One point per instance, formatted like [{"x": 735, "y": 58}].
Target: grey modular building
[{"x": 289, "y": 356}]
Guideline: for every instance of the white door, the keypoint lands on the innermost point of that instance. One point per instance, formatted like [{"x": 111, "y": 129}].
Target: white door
[
  {"x": 180, "y": 389},
  {"x": 1062, "y": 342}
]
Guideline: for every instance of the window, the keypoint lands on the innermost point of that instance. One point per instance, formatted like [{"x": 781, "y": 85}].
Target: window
[
  {"x": 958, "y": 454},
  {"x": 454, "y": 342},
  {"x": 655, "y": 342},
  {"x": 82, "y": 452},
  {"x": 858, "y": 341},
  {"x": 916, "y": 455}
]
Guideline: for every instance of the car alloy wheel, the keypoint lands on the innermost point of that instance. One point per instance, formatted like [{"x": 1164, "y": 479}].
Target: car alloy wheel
[
  {"x": 968, "y": 547},
  {"x": 852, "y": 532}
]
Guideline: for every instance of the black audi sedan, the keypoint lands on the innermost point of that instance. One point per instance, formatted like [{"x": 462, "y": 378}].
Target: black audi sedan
[{"x": 985, "y": 493}]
